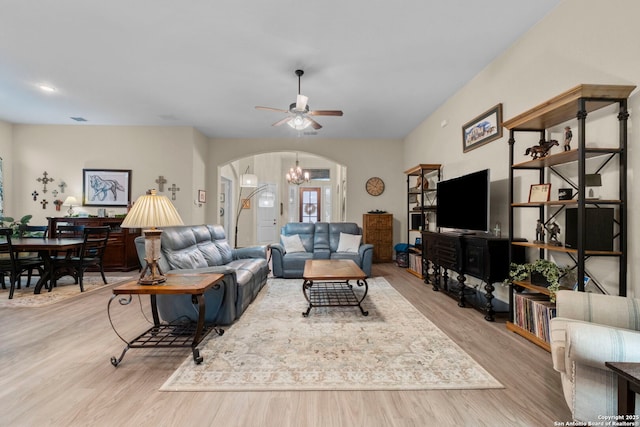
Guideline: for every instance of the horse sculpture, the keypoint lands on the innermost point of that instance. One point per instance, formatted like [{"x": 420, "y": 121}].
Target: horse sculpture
[{"x": 541, "y": 150}]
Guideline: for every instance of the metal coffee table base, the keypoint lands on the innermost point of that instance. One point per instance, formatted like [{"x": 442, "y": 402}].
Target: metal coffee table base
[{"x": 333, "y": 294}]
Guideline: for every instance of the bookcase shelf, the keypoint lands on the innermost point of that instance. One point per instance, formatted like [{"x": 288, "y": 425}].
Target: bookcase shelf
[
  {"x": 575, "y": 104},
  {"x": 421, "y": 209}
]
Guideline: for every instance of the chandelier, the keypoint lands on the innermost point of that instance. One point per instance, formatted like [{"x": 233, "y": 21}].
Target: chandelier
[{"x": 296, "y": 175}]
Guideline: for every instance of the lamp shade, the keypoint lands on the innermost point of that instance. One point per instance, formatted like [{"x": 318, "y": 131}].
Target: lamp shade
[
  {"x": 150, "y": 211},
  {"x": 70, "y": 201},
  {"x": 248, "y": 180}
]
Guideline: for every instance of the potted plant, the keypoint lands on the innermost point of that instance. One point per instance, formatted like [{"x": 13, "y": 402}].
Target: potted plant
[
  {"x": 9, "y": 222},
  {"x": 541, "y": 272}
]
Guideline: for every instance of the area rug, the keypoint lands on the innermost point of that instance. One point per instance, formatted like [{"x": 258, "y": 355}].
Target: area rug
[
  {"x": 273, "y": 347},
  {"x": 65, "y": 289}
]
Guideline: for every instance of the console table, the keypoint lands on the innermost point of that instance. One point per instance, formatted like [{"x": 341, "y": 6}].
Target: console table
[{"x": 481, "y": 256}]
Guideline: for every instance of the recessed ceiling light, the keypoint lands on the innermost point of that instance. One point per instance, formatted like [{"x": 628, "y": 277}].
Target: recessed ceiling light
[{"x": 47, "y": 88}]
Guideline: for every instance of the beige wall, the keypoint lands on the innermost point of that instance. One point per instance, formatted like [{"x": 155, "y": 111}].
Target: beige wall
[
  {"x": 6, "y": 153},
  {"x": 581, "y": 41},
  {"x": 63, "y": 151}
]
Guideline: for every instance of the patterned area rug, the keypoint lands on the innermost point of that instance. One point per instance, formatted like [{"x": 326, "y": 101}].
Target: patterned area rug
[
  {"x": 24, "y": 297},
  {"x": 273, "y": 347}
]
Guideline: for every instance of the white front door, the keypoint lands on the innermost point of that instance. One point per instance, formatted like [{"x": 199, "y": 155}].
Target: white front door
[{"x": 267, "y": 202}]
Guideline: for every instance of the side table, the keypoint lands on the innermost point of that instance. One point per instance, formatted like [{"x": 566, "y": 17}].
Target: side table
[
  {"x": 177, "y": 333},
  {"x": 628, "y": 385}
]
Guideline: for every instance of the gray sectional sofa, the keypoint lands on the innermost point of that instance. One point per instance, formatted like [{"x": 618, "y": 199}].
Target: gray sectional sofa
[
  {"x": 202, "y": 249},
  {"x": 320, "y": 241}
]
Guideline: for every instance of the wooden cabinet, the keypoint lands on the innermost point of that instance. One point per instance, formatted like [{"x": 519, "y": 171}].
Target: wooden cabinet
[
  {"x": 377, "y": 229},
  {"x": 481, "y": 256},
  {"x": 120, "y": 254},
  {"x": 421, "y": 210},
  {"x": 605, "y": 152}
]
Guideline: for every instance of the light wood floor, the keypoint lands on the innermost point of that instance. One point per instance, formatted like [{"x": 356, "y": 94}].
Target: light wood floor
[{"x": 55, "y": 371}]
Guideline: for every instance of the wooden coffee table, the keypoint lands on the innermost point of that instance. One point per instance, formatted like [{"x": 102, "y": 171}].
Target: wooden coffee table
[
  {"x": 176, "y": 333},
  {"x": 326, "y": 284}
]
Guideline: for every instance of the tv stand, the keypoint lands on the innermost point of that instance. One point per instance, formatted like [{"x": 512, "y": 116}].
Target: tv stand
[{"x": 482, "y": 256}]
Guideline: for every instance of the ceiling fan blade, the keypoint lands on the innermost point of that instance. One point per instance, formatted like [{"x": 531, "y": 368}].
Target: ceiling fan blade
[
  {"x": 281, "y": 122},
  {"x": 301, "y": 102},
  {"x": 325, "y": 113},
  {"x": 278, "y": 110},
  {"x": 315, "y": 124}
]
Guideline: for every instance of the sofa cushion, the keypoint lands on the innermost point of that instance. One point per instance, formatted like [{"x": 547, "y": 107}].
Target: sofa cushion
[
  {"x": 225, "y": 251},
  {"x": 349, "y": 242},
  {"x": 334, "y": 230},
  {"x": 211, "y": 253},
  {"x": 292, "y": 243},
  {"x": 185, "y": 258},
  {"x": 306, "y": 232}
]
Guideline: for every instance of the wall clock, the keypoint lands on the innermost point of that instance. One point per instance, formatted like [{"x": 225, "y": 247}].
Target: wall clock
[{"x": 375, "y": 186}]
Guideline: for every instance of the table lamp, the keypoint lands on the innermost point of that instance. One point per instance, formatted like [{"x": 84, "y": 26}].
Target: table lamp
[
  {"x": 148, "y": 212},
  {"x": 70, "y": 201}
]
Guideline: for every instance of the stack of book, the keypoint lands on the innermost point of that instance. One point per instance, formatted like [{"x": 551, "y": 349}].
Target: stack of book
[{"x": 533, "y": 313}]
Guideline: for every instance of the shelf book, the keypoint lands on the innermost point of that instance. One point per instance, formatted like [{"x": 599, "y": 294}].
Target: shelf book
[{"x": 533, "y": 313}]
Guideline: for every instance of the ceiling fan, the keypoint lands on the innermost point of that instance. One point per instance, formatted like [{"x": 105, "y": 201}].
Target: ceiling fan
[{"x": 299, "y": 112}]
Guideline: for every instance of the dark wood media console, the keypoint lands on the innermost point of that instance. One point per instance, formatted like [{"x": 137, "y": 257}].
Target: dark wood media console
[{"x": 481, "y": 256}]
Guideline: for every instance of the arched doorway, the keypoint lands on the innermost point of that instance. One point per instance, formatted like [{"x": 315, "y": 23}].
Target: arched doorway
[{"x": 260, "y": 218}]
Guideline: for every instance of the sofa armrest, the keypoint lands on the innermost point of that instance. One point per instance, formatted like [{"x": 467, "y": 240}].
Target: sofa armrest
[
  {"x": 366, "y": 255},
  {"x": 251, "y": 252},
  {"x": 592, "y": 344},
  {"x": 277, "y": 259},
  {"x": 610, "y": 310}
]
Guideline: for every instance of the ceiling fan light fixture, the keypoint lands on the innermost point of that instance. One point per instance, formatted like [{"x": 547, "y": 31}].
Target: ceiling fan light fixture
[{"x": 299, "y": 122}]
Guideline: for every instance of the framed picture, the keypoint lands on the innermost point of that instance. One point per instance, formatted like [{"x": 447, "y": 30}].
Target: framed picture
[
  {"x": 483, "y": 129},
  {"x": 202, "y": 196},
  {"x": 539, "y": 193},
  {"x": 106, "y": 187},
  {"x": 565, "y": 193}
]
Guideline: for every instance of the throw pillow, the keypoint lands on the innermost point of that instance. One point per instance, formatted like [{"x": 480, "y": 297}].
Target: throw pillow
[
  {"x": 349, "y": 242},
  {"x": 292, "y": 243}
]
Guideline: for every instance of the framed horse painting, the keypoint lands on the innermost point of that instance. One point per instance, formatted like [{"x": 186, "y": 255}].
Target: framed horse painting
[{"x": 106, "y": 187}]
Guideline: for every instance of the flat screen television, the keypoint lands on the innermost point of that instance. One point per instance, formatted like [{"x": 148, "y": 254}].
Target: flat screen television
[{"x": 463, "y": 202}]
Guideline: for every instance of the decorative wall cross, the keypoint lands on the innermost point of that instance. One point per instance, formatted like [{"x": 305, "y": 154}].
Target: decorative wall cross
[
  {"x": 35, "y": 195},
  {"x": 43, "y": 202},
  {"x": 44, "y": 180},
  {"x": 173, "y": 190},
  {"x": 161, "y": 182},
  {"x": 62, "y": 185},
  {"x": 54, "y": 193}
]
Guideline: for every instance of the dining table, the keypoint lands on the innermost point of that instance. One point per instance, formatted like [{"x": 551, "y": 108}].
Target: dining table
[{"x": 46, "y": 247}]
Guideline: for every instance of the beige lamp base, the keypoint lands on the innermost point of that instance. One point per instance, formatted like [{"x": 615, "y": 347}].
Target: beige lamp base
[{"x": 151, "y": 274}]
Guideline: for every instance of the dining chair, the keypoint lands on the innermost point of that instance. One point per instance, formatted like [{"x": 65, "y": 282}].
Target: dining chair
[
  {"x": 13, "y": 266},
  {"x": 91, "y": 254},
  {"x": 67, "y": 231},
  {"x": 31, "y": 232}
]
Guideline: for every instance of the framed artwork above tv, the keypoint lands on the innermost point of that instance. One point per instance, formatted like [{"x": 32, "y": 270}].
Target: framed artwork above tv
[{"x": 482, "y": 129}]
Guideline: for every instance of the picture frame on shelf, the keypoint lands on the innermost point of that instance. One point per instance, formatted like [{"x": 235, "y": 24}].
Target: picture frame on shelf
[
  {"x": 483, "y": 129},
  {"x": 565, "y": 193},
  {"x": 106, "y": 187},
  {"x": 539, "y": 193}
]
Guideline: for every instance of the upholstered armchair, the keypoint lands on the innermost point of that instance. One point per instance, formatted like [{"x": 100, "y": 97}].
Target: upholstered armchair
[{"x": 589, "y": 330}]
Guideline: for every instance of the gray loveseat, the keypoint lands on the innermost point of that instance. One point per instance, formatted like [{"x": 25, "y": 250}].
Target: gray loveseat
[
  {"x": 320, "y": 241},
  {"x": 204, "y": 249}
]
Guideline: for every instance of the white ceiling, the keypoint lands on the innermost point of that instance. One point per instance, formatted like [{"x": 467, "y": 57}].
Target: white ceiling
[{"x": 206, "y": 64}]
